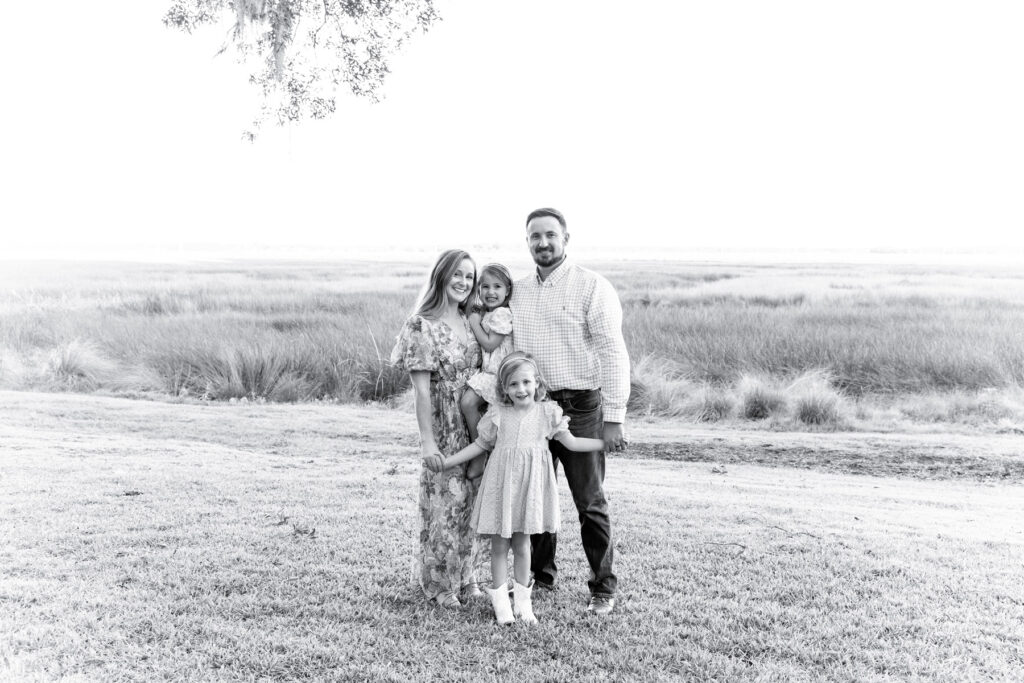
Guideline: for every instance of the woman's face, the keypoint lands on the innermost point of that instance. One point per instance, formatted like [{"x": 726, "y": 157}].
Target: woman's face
[{"x": 460, "y": 284}]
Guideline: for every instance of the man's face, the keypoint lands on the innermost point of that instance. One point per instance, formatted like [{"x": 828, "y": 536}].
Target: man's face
[{"x": 547, "y": 240}]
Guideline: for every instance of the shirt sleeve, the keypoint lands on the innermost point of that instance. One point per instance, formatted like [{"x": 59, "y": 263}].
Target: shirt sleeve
[
  {"x": 487, "y": 429},
  {"x": 604, "y": 318},
  {"x": 415, "y": 348},
  {"x": 500, "y": 320},
  {"x": 558, "y": 422}
]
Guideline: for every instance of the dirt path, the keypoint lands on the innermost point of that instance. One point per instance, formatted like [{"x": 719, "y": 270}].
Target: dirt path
[
  {"x": 978, "y": 457},
  {"x": 58, "y": 421}
]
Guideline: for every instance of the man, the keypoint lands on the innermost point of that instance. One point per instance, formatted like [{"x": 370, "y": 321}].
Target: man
[{"x": 570, "y": 320}]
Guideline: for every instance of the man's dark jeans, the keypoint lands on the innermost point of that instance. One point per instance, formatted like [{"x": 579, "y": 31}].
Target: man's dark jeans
[{"x": 585, "y": 474}]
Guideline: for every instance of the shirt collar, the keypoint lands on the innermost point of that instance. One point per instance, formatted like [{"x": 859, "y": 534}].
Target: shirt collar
[{"x": 556, "y": 275}]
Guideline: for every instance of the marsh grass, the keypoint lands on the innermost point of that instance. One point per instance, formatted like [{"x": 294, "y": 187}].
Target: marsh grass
[
  {"x": 212, "y": 338},
  {"x": 759, "y": 399},
  {"x": 816, "y": 400},
  {"x": 713, "y": 404},
  {"x": 273, "y": 542},
  {"x": 78, "y": 366},
  {"x": 696, "y": 334}
]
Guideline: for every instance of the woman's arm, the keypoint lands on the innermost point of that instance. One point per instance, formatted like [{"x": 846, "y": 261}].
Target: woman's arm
[
  {"x": 424, "y": 413},
  {"x": 488, "y": 340},
  {"x": 579, "y": 444}
]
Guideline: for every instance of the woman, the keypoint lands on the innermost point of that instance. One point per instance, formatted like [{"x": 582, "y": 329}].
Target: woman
[{"x": 437, "y": 347}]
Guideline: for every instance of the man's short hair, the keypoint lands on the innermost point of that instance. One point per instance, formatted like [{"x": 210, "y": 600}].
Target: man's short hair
[{"x": 554, "y": 213}]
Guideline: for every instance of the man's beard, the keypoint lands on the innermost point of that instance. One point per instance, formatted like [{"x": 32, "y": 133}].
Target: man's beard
[{"x": 545, "y": 257}]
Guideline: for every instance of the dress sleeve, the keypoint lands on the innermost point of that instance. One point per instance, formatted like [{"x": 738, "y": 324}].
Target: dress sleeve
[
  {"x": 487, "y": 429},
  {"x": 415, "y": 348},
  {"x": 557, "y": 422},
  {"x": 500, "y": 320}
]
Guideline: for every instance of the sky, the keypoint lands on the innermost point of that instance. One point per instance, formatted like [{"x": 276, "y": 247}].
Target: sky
[{"x": 652, "y": 125}]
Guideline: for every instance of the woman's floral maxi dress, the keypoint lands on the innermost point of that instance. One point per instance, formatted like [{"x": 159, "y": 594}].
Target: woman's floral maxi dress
[{"x": 448, "y": 552}]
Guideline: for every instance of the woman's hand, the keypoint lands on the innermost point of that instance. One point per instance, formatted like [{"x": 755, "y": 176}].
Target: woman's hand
[{"x": 434, "y": 461}]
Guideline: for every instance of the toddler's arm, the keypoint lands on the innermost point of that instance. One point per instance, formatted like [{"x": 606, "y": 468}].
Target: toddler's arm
[
  {"x": 579, "y": 444},
  {"x": 488, "y": 340}
]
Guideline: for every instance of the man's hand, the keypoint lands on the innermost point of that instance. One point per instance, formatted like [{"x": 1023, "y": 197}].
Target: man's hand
[{"x": 614, "y": 437}]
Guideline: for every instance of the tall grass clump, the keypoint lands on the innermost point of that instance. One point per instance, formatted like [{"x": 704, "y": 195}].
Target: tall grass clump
[
  {"x": 79, "y": 366},
  {"x": 815, "y": 401},
  {"x": 308, "y": 353},
  {"x": 318, "y": 364},
  {"x": 989, "y": 406},
  {"x": 254, "y": 371},
  {"x": 658, "y": 387},
  {"x": 758, "y": 399},
  {"x": 712, "y": 404},
  {"x": 6, "y": 357}
]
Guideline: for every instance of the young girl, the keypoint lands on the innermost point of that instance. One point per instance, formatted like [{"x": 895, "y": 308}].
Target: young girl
[
  {"x": 518, "y": 495},
  {"x": 494, "y": 334}
]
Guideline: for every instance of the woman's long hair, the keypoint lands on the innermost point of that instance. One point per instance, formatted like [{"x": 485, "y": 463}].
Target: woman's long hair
[{"x": 434, "y": 295}]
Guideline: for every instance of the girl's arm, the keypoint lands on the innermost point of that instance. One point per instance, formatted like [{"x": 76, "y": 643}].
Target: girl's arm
[
  {"x": 579, "y": 444},
  {"x": 488, "y": 340},
  {"x": 465, "y": 455},
  {"x": 424, "y": 418}
]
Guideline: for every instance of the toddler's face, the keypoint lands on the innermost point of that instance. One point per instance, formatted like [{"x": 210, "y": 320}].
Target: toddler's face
[
  {"x": 521, "y": 386},
  {"x": 492, "y": 291}
]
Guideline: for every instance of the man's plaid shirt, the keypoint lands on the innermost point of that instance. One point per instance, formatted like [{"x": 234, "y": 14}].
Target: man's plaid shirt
[{"x": 572, "y": 324}]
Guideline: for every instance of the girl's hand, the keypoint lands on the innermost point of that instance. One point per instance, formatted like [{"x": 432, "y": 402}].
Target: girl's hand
[{"x": 475, "y": 317}]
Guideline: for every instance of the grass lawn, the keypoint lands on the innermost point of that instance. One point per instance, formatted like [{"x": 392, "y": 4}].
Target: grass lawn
[{"x": 148, "y": 540}]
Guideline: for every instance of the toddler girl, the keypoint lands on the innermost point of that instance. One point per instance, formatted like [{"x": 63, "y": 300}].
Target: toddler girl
[
  {"x": 493, "y": 332},
  {"x": 518, "y": 495}
]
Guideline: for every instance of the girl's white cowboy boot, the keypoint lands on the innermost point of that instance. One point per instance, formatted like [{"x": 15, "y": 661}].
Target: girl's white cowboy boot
[
  {"x": 523, "y": 602},
  {"x": 502, "y": 606}
]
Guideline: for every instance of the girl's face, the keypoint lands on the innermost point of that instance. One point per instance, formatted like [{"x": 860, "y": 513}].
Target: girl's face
[
  {"x": 521, "y": 386},
  {"x": 460, "y": 285},
  {"x": 493, "y": 291}
]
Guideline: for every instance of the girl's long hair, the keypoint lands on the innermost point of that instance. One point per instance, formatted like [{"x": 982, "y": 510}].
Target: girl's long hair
[
  {"x": 501, "y": 273},
  {"x": 433, "y": 296}
]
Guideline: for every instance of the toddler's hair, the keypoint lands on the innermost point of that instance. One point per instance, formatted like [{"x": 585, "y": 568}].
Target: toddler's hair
[
  {"x": 509, "y": 365},
  {"x": 501, "y": 273}
]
